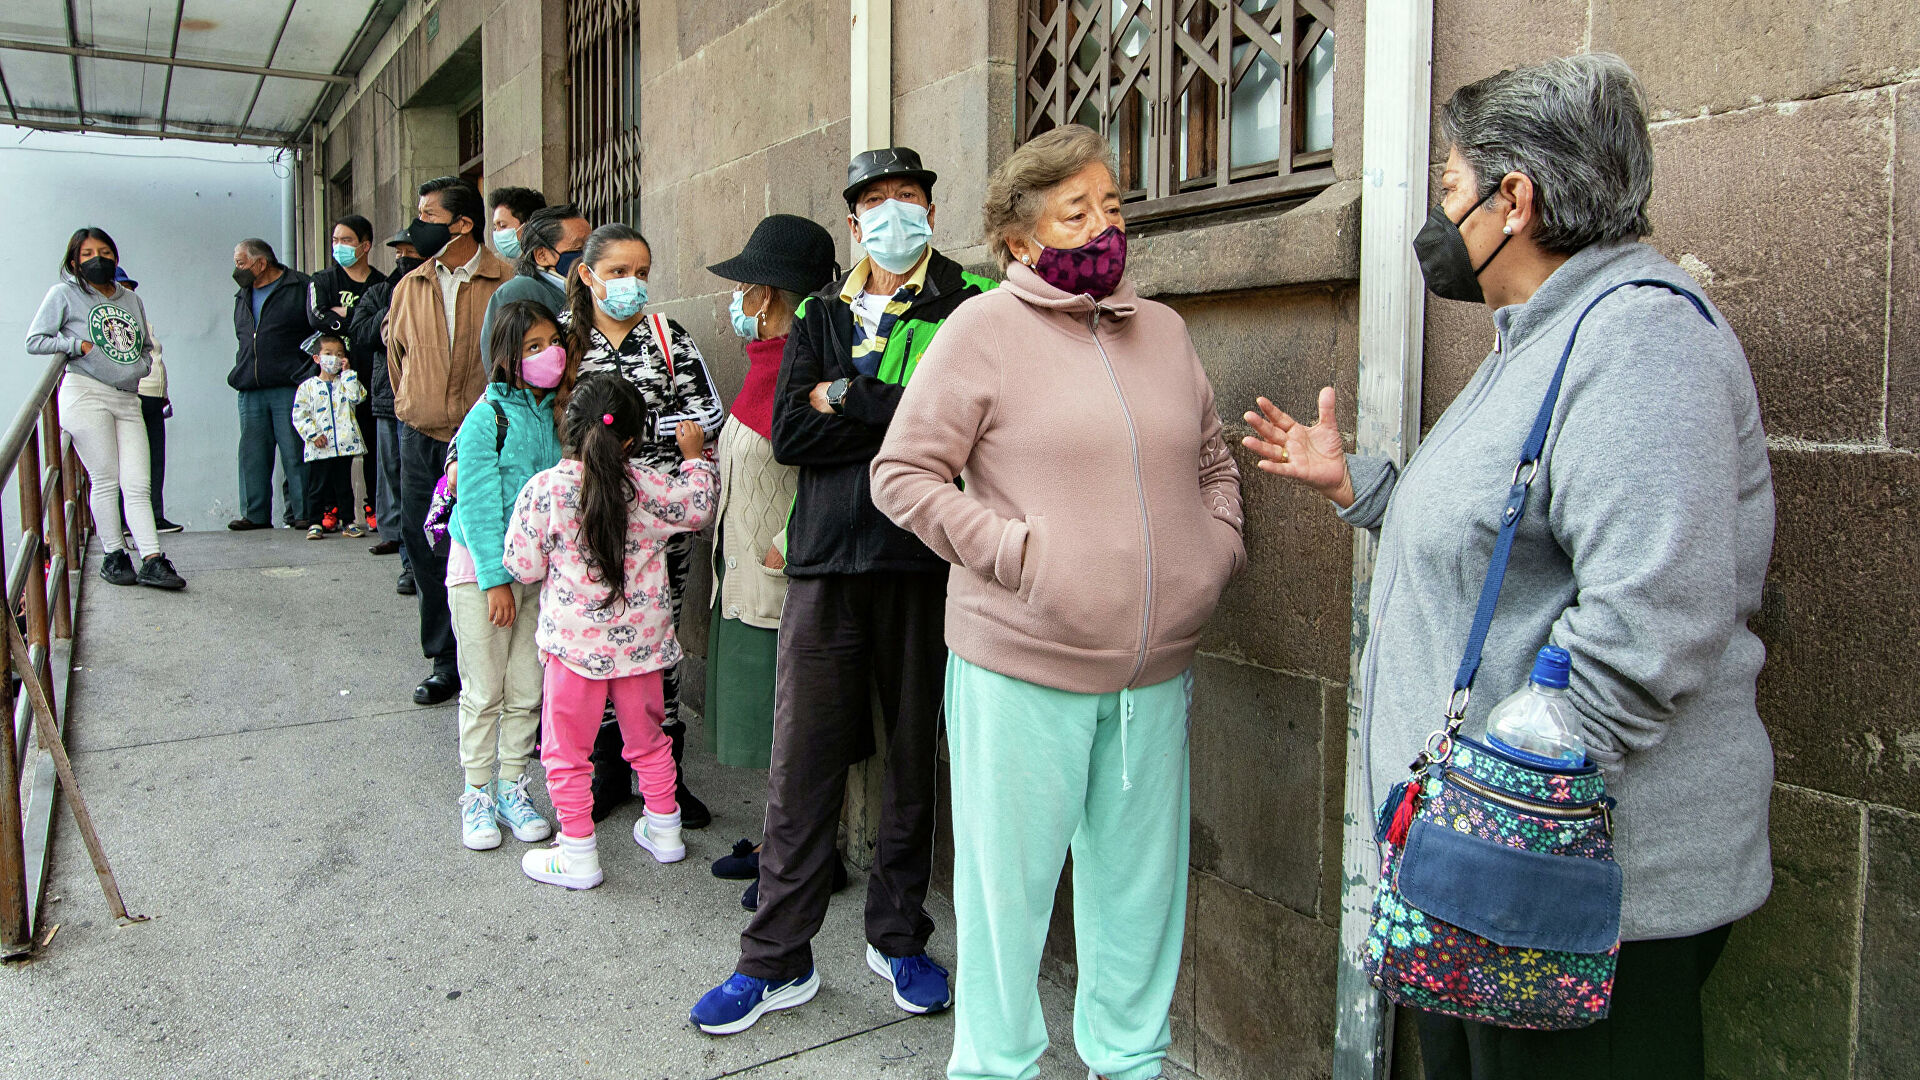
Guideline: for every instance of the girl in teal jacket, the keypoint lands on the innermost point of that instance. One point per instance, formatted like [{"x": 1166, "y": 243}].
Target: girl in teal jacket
[{"x": 507, "y": 437}]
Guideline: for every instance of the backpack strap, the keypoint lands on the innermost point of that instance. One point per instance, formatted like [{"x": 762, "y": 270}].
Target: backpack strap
[
  {"x": 500, "y": 426},
  {"x": 1516, "y": 504}
]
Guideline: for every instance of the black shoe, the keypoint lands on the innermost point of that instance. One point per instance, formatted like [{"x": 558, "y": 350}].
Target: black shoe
[
  {"x": 384, "y": 547},
  {"x": 243, "y": 524},
  {"x": 165, "y": 526},
  {"x": 300, "y": 523},
  {"x": 436, "y": 688},
  {"x": 405, "y": 586},
  {"x": 742, "y": 865},
  {"x": 117, "y": 568},
  {"x": 612, "y": 776},
  {"x": 157, "y": 572},
  {"x": 751, "y": 898}
]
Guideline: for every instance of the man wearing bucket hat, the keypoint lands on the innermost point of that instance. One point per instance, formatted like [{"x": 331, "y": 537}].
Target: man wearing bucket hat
[{"x": 864, "y": 612}]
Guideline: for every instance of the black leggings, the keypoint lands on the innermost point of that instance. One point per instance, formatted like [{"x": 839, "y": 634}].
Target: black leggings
[{"x": 1653, "y": 1031}]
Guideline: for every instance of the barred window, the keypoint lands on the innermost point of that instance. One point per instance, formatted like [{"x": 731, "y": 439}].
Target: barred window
[
  {"x": 1208, "y": 103},
  {"x": 603, "y": 77}
]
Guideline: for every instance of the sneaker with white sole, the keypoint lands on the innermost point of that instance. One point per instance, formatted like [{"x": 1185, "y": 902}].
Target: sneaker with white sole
[
  {"x": 571, "y": 862},
  {"x": 660, "y": 836},
  {"x": 919, "y": 984},
  {"x": 734, "y": 1005},
  {"x": 477, "y": 830},
  {"x": 512, "y": 808}
]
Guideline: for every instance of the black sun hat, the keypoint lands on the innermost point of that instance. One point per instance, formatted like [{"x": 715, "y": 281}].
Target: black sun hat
[
  {"x": 786, "y": 252},
  {"x": 874, "y": 165}
]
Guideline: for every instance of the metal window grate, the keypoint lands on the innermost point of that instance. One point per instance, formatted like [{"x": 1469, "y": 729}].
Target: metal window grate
[
  {"x": 1208, "y": 103},
  {"x": 603, "y": 76}
]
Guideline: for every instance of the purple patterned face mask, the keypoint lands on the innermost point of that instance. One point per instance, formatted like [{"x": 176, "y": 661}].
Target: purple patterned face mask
[{"x": 1093, "y": 268}]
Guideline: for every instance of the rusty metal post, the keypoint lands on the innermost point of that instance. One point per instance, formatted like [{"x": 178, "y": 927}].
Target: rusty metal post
[
  {"x": 28, "y": 477},
  {"x": 56, "y": 535},
  {"x": 16, "y": 937}
]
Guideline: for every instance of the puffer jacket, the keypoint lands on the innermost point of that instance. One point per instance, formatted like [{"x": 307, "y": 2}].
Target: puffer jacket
[
  {"x": 494, "y": 465},
  {"x": 326, "y": 408}
]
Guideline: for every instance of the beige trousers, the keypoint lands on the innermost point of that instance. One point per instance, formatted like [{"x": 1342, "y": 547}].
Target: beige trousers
[{"x": 499, "y": 682}]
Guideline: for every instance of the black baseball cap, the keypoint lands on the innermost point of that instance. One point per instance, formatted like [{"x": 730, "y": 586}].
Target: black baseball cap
[{"x": 874, "y": 165}]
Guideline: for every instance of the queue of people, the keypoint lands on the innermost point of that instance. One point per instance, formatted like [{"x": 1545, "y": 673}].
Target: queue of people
[{"x": 1012, "y": 504}]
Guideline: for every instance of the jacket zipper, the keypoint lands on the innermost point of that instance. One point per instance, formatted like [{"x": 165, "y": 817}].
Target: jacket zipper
[
  {"x": 1140, "y": 489},
  {"x": 1511, "y": 801}
]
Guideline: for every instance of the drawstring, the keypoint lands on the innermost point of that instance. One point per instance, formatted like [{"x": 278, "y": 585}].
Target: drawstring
[{"x": 1126, "y": 714}]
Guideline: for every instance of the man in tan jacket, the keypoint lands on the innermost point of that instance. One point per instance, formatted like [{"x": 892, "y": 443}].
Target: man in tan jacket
[{"x": 437, "y": 365}]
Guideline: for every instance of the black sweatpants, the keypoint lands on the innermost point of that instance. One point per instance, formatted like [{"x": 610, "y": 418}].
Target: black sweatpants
[
  {"x": 1652, "y": 1032},
  {"x": 840, "y": 638},
  {"x": 330, "y": 487},
  {"x": 423, "y": 460}
]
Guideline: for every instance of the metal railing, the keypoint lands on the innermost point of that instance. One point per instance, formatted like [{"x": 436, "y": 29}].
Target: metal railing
[{"x": 54, "y": 526}]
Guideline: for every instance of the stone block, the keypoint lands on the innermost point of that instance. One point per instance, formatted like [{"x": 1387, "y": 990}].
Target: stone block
[
  {"x": 1458, "y": 338},
  {"x": 811, "y": 169},
  {"x": 959, "y": 124},
  {"x": 1903, "y": 344},
  {"x": 1780, "y": 1004},
  {"x": 659, "y": 37},
  {"x": 1182, "y": 1017},
  {"x": 512, "y": 114},
  {"x": 1289, "y": 609},
  {"x": 1472, "y": 40},
  {"x": 1802, "y": 278},
  {"x": 1843, "y": 651},
  {"x": 1349, "y": 86},
  {"x": 1333, "y": 797},
  {"x": 1263, "y": 985},
  {"x": 1317, "y": 241},
  {"x": 510, "y": 44},
  {"x": 1257, "y": 808},
  {"x": 1713, "y": 57},
  {"x": 1889, "y": 1043},
  {"x": 700, "y": 24},
  {"x": 933, "y": 39}
]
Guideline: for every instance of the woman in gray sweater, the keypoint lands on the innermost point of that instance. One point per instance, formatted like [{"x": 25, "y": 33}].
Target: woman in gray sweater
[{"x": 1642, "y": 554}]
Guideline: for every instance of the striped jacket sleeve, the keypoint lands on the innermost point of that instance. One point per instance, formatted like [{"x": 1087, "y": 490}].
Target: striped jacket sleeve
[{"x": 695, "y": 396}]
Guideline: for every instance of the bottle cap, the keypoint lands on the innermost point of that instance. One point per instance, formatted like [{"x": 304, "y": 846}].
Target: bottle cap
[{"x": 1551, "y": 667}]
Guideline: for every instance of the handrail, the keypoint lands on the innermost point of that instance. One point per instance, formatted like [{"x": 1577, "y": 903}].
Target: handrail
[{"x": 39, "y": 587}]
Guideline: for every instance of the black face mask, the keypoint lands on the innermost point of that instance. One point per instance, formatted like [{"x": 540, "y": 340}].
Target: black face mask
[
  {"x": 243, "y": 277},
  {"x": 98, "y": 270},
  {"x": 1444, "y": 260},
  {"x": 567, "y": 261},
  {"x": 429, "y": 237},
  {"x": 405, "y": 264}
]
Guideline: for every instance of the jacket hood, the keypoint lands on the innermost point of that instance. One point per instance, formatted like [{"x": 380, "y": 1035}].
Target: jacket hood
[
  {"x": 1024, "y": 283},
  {"x": 1568, "y": 289},
  {"x": 522, "y": 395}
]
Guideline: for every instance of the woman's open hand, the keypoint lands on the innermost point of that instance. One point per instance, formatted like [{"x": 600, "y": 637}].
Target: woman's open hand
[{"x": 1313, "y": 455}]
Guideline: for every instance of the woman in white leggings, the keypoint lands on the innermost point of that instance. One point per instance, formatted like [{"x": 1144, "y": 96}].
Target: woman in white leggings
[{"x": 101, "y": 328}]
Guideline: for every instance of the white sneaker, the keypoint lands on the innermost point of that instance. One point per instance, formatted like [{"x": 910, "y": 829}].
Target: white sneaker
[
  {"x": 571, "y": 862},
  {"x": 660, "y": 836},
  {"x": 477, "y": 830},
  {"x": 516, "y": 811}
]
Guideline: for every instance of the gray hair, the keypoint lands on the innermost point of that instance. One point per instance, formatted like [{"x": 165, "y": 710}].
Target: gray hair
[
  {"x": 259, "y": 249},
  {"x": 542, "y": 231},
  {"x": 1017, "y": 191},
  {"x": 1577, "y": 127}
]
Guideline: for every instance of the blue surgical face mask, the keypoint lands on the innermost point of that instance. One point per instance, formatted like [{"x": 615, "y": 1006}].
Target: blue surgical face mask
[
  {"x": 507, "y": 243},
  {"x": 625, "y": 296},
  {"x": 346, "y": 255},
  {"x": 895, "y": 234},
  {"x": 745, "y": 325}
]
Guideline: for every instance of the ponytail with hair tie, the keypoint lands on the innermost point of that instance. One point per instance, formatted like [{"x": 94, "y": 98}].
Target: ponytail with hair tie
[{"x": 603, "y": 418}]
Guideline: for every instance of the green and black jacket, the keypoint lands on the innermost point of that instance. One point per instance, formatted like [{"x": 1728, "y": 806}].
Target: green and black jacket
[{"x": 835, "y": 528}]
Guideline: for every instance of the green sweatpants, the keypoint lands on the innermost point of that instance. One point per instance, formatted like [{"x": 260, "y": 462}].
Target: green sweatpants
[{"x": 1037, "y": 771}]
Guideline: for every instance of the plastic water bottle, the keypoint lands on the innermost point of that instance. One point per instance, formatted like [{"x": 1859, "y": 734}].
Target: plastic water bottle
[{"x": 1536, "y": 724}]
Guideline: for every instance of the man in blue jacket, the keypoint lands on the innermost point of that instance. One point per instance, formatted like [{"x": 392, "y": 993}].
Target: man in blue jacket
[{"x": 270, "y": 322}]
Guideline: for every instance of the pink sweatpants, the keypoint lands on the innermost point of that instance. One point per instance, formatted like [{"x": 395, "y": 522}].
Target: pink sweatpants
[{"x": 572, "y": 710}]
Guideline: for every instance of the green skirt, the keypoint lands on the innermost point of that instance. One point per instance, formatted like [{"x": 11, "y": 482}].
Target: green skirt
[{"x": 740, "y": 660}]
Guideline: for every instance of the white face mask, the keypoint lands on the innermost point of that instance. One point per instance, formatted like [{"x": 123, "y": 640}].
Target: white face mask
[{"x": 331, "y": 364}]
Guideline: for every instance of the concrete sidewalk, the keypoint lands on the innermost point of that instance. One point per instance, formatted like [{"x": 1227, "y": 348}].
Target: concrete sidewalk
[{"x": 268, "y": 792}]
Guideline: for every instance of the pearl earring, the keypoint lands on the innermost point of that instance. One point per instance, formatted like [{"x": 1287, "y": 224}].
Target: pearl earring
[{"x": 1508, "y": 231}]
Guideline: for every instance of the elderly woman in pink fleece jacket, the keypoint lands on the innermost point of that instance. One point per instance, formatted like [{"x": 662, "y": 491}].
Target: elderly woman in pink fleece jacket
[{"x": 1099, "y": 522}]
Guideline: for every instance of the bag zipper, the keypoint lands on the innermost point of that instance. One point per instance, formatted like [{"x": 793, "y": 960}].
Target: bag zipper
[{"x": 1511, "y": 801}]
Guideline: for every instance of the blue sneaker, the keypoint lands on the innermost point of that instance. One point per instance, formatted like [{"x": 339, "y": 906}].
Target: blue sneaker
[
  {"x": 512, "y": 808},
  {"x": 734, "y": 1005},
  {"x": 919, "y": 984}
]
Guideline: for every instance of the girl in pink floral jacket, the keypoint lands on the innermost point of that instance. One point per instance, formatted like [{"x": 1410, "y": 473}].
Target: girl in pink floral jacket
[{"x": 592, "y": 531}]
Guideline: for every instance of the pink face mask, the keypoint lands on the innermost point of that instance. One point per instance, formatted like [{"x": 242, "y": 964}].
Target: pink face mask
[
  {"x": 545, "y": 368},
  {"x": 1094, "y": 267}
]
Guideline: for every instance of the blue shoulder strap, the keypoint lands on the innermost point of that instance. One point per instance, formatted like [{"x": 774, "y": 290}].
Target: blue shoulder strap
[{"x": 1516, "y": 506}]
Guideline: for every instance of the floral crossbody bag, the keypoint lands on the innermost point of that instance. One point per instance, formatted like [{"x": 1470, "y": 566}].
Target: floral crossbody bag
[{"x": 1499, "y": 898}]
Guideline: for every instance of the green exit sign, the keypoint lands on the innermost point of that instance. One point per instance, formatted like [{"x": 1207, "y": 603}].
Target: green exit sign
[{"x": 433, "y": 26}]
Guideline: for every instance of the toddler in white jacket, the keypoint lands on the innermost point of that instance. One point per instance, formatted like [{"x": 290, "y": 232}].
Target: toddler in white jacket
[{"x": 323, "y": 415}]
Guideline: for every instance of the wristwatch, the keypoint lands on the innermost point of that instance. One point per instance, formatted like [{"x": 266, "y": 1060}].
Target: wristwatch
[{"x": 837, "y": 394}]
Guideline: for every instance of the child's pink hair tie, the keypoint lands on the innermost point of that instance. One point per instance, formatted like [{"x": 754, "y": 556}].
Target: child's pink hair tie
[{"x": 606, "y": 418}]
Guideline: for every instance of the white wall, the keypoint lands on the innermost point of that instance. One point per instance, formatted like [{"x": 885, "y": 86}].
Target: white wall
[{"x": 176, "y": 209}]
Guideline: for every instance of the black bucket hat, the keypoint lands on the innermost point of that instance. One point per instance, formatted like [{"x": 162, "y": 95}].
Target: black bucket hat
[
  {"x": 786, "y": 252},
  {"x": 874, "y": 165}
]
